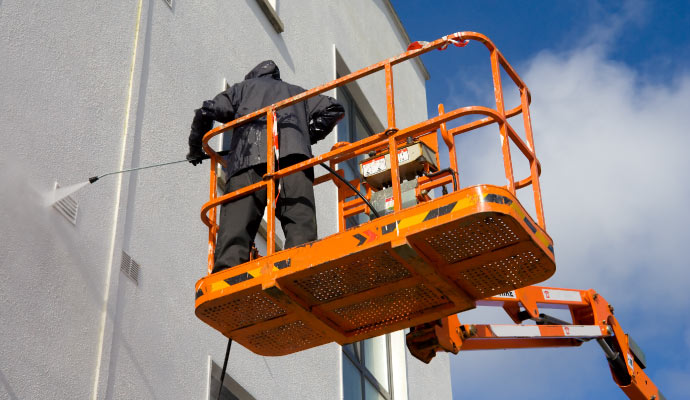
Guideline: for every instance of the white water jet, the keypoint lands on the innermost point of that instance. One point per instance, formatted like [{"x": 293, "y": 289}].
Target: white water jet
[{"x": 62, "y": 192}]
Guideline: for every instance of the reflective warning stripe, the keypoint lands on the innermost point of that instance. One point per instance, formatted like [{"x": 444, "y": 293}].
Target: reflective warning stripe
[
  {"x": 410, "y": 221},
  {"x": 515, "y": 330},
  {"x": 546, "y": 331},
  {"x": 437, "y": 212},
  {"x": 465, "y": 203},
  {"x": 245, "y": 276}
]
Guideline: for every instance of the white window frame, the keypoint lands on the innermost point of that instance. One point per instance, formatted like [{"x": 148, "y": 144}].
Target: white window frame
[
  {"x": 270, "y": 9},
  {"x": 235, "y": 389}
]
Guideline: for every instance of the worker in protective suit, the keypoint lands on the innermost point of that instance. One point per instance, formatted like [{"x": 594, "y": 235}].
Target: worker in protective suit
[{"x": 299, "y": 126}]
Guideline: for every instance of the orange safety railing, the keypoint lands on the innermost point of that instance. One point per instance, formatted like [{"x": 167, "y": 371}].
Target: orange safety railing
[{"x": 390, "y": 138}]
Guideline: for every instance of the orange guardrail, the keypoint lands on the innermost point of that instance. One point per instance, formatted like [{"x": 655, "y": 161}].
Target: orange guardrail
[{"x": 391, "y": 138}]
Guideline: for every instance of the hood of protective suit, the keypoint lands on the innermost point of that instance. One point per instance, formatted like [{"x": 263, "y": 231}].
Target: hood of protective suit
[{"x": 265, "y": 68}]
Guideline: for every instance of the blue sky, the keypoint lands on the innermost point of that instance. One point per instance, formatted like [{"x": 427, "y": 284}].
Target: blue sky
[{"x": 610, "y": 84}]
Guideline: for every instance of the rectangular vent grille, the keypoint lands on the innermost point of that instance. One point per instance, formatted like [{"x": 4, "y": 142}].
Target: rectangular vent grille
[
  {"x": 67, "y": 207},
  {"x": 130, "y": 267}
]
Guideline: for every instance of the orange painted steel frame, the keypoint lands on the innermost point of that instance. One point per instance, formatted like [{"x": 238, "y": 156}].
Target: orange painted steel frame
[
  {"x": 592, "y": 318},
  {"x": 392, "y": 136}
]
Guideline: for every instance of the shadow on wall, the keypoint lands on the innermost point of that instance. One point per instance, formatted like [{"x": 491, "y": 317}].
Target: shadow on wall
[
  {"x": 139, "y": 120},
  {"x": 4, "y": 385},
  {"x": 120, "y": 345},
  {"x": 277, "y": 38}
]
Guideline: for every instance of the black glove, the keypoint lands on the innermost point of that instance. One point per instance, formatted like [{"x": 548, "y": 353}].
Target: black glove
[
  {"x": 196, "y": 155},
  {"x": 323, "y": 123}
]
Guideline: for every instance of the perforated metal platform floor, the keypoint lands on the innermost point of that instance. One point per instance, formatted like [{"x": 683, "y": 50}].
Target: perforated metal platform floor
[{"x": 400, "y": 270}]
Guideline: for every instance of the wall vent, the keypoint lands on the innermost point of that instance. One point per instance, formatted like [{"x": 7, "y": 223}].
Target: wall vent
[
  {"x": 130, "y": 268},
  {"x": 168, "y": 2},
  {"x": 67, "y": 207}
]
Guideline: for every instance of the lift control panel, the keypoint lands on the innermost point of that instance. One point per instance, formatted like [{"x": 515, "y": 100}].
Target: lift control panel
[{"x": 413, "y": 158}]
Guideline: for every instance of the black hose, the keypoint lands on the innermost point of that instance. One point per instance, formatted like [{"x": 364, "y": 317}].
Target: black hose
[
  {"x": 225, "y": 366},
  {"x": 442, "y": 171},
  {"x": 205, "y": 157},
  {"x": 329, "y": 169}
]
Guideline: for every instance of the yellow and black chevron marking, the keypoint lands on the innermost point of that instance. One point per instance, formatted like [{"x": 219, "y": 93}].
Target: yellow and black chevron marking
[
  {"x": 245, "y": 276},
  {"x": 459, "y": 205},
  {"x": 427, "y": 215},
  {"x": 370, "y": 236},
  {"x": 282, "y": 264}
]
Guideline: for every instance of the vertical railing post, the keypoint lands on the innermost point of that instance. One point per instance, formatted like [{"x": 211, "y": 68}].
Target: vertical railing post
[
  {"x": 341, "y": 201},
  {"x": 397, "y": 197},
  {"x": 212, "y": 218},
  {"x": 390, "y": 98},
  {"x": 505, "y": 140},
  {"x": 270, "y": 187},
  {"x": 392, "y": 145},
  {"x": 450, "y": 143},
  {"x": 534, "y": 172}
]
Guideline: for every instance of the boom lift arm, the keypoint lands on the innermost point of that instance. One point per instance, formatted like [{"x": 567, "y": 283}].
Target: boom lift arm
[{"x": 592, "y": 317}]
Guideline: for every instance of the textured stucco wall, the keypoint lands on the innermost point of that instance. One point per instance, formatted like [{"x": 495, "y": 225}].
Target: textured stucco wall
[
  {"x": 63, "y": 81},
  {"x": 429, "y": 381},
  {"x": 70, "y": 112}
]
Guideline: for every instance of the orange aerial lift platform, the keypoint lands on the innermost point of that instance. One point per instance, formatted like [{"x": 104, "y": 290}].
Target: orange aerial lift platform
[{"x": 418, "y": 260}]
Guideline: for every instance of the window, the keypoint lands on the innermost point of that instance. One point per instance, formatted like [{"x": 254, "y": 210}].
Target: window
[
  {"x": 231, "y": 389},
  {"x": 352, "y": 128},
  {"x": 222, "y": 143},
  {"x": 367, "y": 370},
  {"x": 270, "y": 8}
]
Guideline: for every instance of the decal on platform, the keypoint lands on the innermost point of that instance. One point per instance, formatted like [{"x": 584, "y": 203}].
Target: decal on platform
[{"x": 506, "y": 295}]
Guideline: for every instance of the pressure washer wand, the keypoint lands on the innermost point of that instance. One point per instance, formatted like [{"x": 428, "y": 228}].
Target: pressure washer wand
[{"x": 206, "y": 157}]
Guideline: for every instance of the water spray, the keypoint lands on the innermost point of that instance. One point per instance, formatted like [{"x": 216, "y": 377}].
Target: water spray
[
  {"x": 61, "y": 193},
  {"x": 64, "y": 192}
]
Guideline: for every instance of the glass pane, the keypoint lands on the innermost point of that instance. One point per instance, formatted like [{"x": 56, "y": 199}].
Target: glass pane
[
  {"x": 376, "y": 359},
  {"x": 352, "y": 381},
  {"x": 361, "y": 129},
  {"x": 370, "y": 392},
  {"x": 354, "y": 351},
  {"x": 344, "y": 124}
]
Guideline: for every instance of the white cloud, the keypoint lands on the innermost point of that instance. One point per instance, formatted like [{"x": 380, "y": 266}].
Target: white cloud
[
  {"x": 614, "y": 174},
  {"x": 614, "y": 152}
]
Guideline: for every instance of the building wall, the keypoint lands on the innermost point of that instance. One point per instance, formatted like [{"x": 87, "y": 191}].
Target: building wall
[{"x": 88, "y": 88}]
